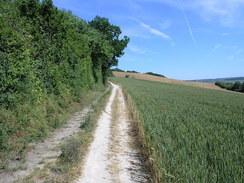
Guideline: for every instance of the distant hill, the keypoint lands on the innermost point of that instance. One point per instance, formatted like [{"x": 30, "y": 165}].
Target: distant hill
[
  {"x": 226, "y": 80},
  {"x": 164, "y": 80}
]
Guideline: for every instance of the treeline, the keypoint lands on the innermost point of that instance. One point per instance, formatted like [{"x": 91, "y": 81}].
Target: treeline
[
  {"x": 237, "y": 86},
  {"x": 46, "y": 52},
  {"x": 155, "y": 74}
]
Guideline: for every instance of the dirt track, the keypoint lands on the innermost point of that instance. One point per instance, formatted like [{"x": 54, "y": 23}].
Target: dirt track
[{"x": 112, "y": 157}]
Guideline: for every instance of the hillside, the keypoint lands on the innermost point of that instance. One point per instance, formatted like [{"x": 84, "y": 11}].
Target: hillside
[
  {"x": 164, "y": 80},
  {"x": 226, "y": 80}
]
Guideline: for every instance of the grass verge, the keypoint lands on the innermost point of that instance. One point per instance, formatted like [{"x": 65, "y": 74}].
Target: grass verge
[
  {"x": 141, "y": 170},
  {"x": 140, "y": 143},
  {"x": 69, "y": 164},
  {"x": 27, "y": 123}
]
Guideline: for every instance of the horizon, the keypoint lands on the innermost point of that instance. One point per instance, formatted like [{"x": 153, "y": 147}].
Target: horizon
[
  {"x": 180, "y": 79},
  {"x": 187, "y": 40}
]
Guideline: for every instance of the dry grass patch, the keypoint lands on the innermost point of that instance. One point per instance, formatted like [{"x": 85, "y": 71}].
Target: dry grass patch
[{"x": 164, "y": 80}]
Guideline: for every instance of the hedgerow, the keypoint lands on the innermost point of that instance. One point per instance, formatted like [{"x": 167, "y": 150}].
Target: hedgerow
[{"x": 48, "y": 59}]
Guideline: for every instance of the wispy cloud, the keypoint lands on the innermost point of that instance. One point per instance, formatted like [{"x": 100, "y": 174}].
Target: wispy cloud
[
  {"x": 173, "y": 44},
  {"x": 231, "y": 57},
  {"x": 226, "y": 12},
  {"x": 135, "y": 31},
  {"x": 133, "y": 5},
  {"x": 155, "y": 31},
  {"x": 225, "y": 34},
  {"x": 139, "y": 50},
  {"x": 187, "y": 22},
  {"x": 237, "y": 52},
  {"x": 217, "y": 46},
  {"x": 135, "y": 49},
  {"x": 232, "y": 33},
  {"x": 166, "y": 24},
  {"x": 230, "y": 52}
]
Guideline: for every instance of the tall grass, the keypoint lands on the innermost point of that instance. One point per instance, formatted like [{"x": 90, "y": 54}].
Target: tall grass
[
  {"x": 69, "y": 164},
  {"x": 196, "y": 134},
  {"x": 28, "y": 123}
]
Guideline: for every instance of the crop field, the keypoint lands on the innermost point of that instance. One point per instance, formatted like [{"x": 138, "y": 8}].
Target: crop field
[
  {"x": 165, "y": 80},
  {"x": 196, "y": 134}
]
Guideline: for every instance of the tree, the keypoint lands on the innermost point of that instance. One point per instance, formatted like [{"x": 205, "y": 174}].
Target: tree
[
  {"x": 242, "y": 87},
  {"x": 111, "y": 34},
  {"x": 48, "y": 58},
  {"x": 236, "y": 86},
  {"x": 29, "y": 8}
]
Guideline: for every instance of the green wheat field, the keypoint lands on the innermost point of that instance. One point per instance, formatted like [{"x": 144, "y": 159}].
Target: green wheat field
[{"x": 197, "y": 134}]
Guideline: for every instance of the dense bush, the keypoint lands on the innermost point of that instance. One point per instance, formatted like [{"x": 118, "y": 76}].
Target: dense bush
[
  {"x": 48, "y": 58},
  {"x": 117, "y": 69},
  {"x": 45, "y": 50},
  {"x": 133, "y": 71}
]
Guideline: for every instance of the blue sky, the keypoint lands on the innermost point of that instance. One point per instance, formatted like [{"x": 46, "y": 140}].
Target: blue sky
[{"x": 182, "y": 39}]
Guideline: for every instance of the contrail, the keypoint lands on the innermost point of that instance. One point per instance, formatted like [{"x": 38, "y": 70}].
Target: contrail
[{"x": 187, "y": 22}]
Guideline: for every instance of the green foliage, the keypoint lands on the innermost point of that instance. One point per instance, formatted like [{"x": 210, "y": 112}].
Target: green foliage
[
  {"x": 114, "y": 46},
  {"x": 196, "y": 134},
  {"x": 117, "y": 69},
  {"x": 133, "y": 71},
  {"x": 110, "y": 73},
  {"x": 48, "y": 59},
  {"x": 242, "y": 87},
  {"x": 70, "y": 151},
  {"x": 237, "y": 86},
  {"x": 155, "y": 74}
]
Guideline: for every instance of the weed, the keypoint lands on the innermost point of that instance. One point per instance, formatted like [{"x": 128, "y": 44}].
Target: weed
[
  {"x": 70, "y": 151},
  {"x": 27, "y": 123}
]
